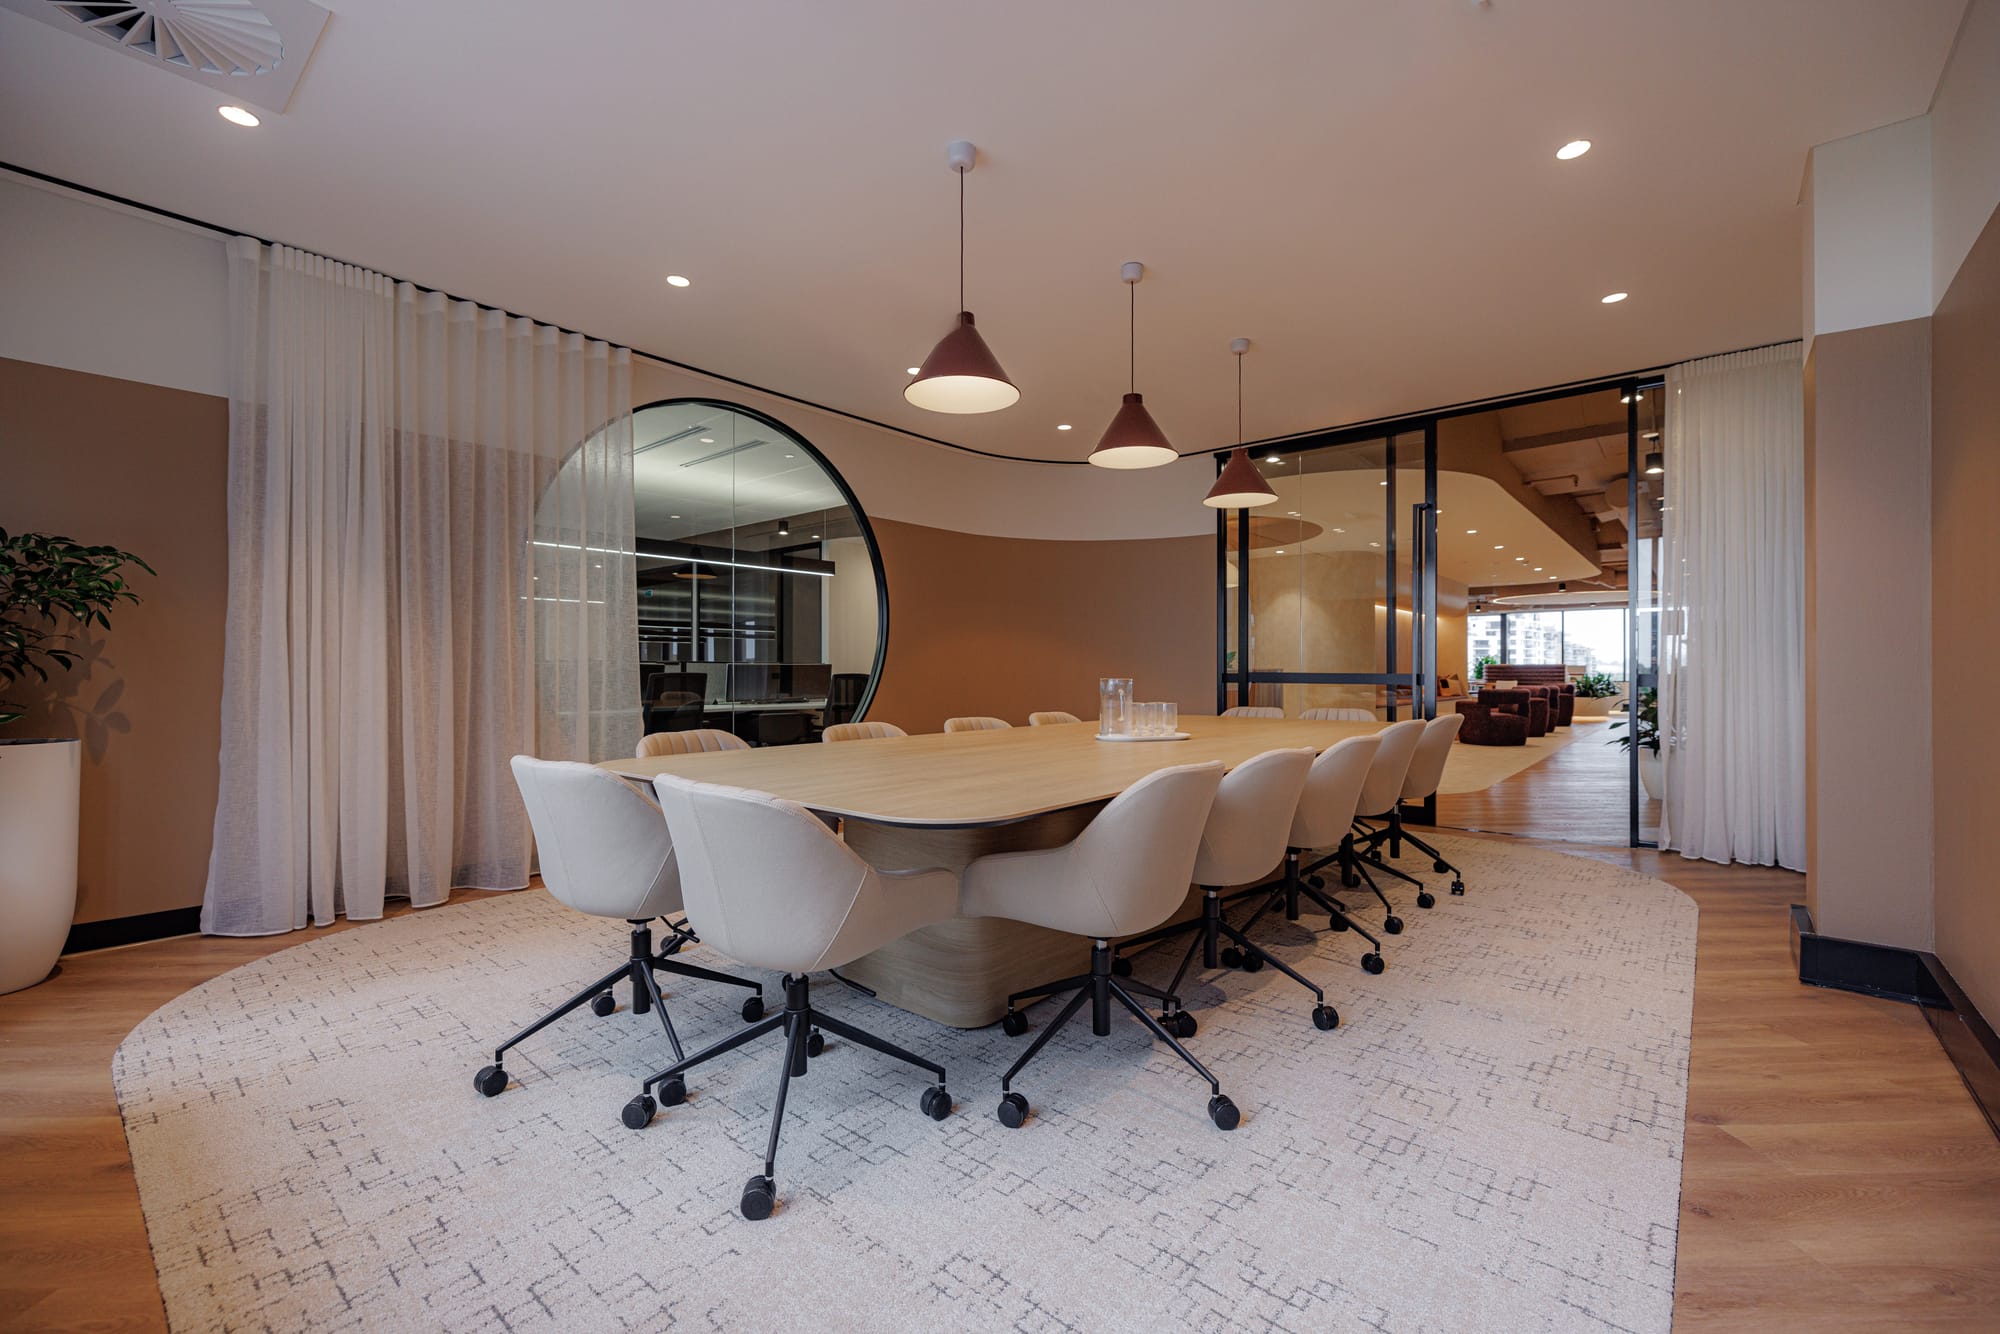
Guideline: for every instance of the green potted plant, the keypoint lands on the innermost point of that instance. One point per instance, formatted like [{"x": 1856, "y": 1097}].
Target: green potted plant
[
  {"x": 1594, "y": 693},
  {"x": 52, "y": 592},
  {"x": 1479, "y": 668},
  {"x": 1646, "y": 733}
]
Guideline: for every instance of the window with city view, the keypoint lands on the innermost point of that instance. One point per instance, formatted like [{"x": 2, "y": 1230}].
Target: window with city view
[{"x": 1590, "y": 639}]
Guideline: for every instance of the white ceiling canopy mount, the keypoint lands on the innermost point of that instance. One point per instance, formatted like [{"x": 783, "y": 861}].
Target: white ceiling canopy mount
[{"x": 250, "y": 53}]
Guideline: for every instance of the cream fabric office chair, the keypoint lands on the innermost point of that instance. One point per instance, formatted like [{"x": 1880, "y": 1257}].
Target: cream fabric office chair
[
  {"x": 688, "y": 743},
  {"x": 1324, "y": 815},
  {"x": 1329, "y": 715},
  {"x": 1051, "y": 717},
  {"x": 976, "y": 724},
  {"x": 770, "y": 886},
  {"x": 1126, "y": 872},
  {"x": 1245, "y": 836},
  {"x": 1379, "y": 795},
  {"x": 861, "y": 732},
  {"x": 604, "y": 851},
  {"x": 1254, "y": 711},
  {"x": 1420, "y": 784}
]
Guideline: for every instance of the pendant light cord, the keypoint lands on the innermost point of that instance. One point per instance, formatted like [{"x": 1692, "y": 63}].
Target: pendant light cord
[
  {"x": 1239, "y": 400},
  {"x": 961, "y": 240},
  {"x": 1132, "y": 339}
]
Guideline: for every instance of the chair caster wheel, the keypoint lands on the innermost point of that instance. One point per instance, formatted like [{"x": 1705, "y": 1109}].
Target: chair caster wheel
[
  {"x": 1440, "y": 867},
  {"x": 1253, "y": 961},
  {"x": 1121, "y": 967},
  {"x": 1336, "y": 924},
  {"x": 1223, "y": 1112},
  {"x": 1231, "y": 957},
  {"x": 1427, "y": 900},
  {"x": 1325, "y": 1018},
  {"x": 638, "y": 1113},
  {"x": 1013, "y": 1110},
  {"x": 1393, "y": 925},
  {"x": 1316, "y": 881},
  {"x": 1180, "y": 1023},
  {"x": 1371, "y": 963},
  {"x": 815, "y": 1042},
  {"x": 673, "y": 1092},
  {"x": 759, "y": 1195},
  {"x": 1458, "y": 887},
  {"x": 753, "y": 1009},
  {"x": 603, "y": 1003},
  {"x": 1013, "y": 1023},
  {"x": 936, "y": 1102},
  {"x": 492, "y": 1081}
]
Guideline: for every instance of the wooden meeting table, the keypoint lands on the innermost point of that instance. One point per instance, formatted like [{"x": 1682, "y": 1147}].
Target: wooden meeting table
[{"x": 945, "y": 799}]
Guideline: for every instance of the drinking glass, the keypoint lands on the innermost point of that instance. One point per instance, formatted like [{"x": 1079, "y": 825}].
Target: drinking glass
[
  {"x": 1170, "y": 718},
  {"x": 1149, "y": 719}
]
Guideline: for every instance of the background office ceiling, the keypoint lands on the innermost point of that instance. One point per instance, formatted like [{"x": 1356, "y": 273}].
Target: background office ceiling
[{"x": 1370, "y": 192}]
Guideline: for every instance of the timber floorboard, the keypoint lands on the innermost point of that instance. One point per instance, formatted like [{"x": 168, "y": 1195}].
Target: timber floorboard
[{"x": 1837, "y": 1175}]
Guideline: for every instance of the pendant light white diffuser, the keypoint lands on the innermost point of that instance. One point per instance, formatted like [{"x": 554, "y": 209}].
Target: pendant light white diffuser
[
  {"x": 1134, "y": 439},
  {"x": 1239, "y": 485},
  {"x": 961, "y": 375}
]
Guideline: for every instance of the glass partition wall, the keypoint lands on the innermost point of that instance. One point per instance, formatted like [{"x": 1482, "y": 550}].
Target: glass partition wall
[
  {"x": 760, "y": 600},
  {"x": 1396, "y": 558},
  {"x": 1327, "y": 587}
]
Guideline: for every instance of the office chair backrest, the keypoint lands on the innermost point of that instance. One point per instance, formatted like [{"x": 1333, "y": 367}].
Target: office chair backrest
[
  {"x": 601, "y": 844},
  {"x": 1253, "y": 711},
  {"x": 1392, "y": 764},
  {"x": 976, "y": 724},
  {"x": 1333, "y": 792},
  {"x": 1051, "y": 717},
  {"x": 770, "y": 886},
  {"x": 1137, "y": 856},
  {"x": 677, "y": 713},
  {"x": 1427, "y": 761},
  {"x": 843, "y": 696},
  {"x": 868, "y": 731},
  {"x": 1247, "y": 826},
  {"x": 1338, "y": 715},
  {"x": 690, "y": 742}
]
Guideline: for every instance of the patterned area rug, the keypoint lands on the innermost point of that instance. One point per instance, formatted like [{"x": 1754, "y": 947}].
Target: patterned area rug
[{"x": 1491, "y": 1139}]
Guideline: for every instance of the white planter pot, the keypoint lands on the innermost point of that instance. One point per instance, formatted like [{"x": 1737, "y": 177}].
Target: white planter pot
[
  {"x": 1651, "y": 775},
  {"x": 1595, "y": 706},
  {"x": 40, "y": 783}
]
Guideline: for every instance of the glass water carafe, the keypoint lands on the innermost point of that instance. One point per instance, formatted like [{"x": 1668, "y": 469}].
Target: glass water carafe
[{"x": 1114, "y": 706}]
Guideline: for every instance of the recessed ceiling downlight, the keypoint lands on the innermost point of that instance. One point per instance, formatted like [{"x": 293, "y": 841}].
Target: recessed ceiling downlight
[
  {"x": 675, "y": 280},
  {"x": 1612, "y": 298},
  {"x": 238, "y": 116},
  {"x": 1575, "y": 148}
]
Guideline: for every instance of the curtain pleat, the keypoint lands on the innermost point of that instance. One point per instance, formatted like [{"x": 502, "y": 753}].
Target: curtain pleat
[
  {"x": 430, "y": 571},
  {"x": 1732, "y": 594}
]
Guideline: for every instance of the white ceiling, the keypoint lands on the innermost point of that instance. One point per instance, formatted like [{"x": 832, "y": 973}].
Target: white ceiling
[{"x": 1368, "y": 191}]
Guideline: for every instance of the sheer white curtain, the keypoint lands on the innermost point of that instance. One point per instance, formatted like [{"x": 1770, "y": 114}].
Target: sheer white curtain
[
  {"x": 1732, "y": 615},
  {"x": 430, "y": 570}
]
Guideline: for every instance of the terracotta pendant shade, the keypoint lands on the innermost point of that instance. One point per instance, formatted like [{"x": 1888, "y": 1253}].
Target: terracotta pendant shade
[
  {"x": 962, "y": 375},
  {"x": 1239, "y": 485},
  {"x": 1134, "y": 439}
]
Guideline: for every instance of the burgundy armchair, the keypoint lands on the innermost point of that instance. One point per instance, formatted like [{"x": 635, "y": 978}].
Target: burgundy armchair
[
  {"x": 1525, "y": 702},
  {"x": 1487, "y": 725}
]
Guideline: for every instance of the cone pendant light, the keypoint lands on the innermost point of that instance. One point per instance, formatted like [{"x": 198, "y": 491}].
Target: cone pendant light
[
  {"x": 1133, "y": 440},
  {"x": 1239, "y": 485},
  {"x": 961, "y": 374}
]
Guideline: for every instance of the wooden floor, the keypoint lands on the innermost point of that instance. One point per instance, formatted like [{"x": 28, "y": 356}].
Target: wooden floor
[
  {"x": 1837, "y": 1175},
  {"x": 1577, "y": 795}
]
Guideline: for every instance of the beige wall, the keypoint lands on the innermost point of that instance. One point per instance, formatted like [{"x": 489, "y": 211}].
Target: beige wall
[
  {"x": 143, "y": 468},
  {"x": 1006, "y": 626},
  {"x": 1323, "y": 612},
  {"x": 1868, "y": 634},
  {"x": 1965, "y": 553},
  {"x": 850, "y": 606}
]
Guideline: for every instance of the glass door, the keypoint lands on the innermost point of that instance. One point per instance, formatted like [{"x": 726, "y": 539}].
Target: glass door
[{"x": 1327, "y": 598}]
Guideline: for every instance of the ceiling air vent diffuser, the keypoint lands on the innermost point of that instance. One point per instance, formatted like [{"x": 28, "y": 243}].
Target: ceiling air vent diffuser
[{"x": 251, "y": 51}]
